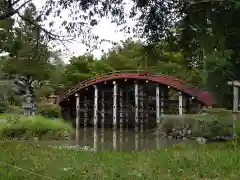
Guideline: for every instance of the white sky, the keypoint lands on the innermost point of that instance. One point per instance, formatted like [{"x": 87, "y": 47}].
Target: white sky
[{"x": 105, "y": 29}]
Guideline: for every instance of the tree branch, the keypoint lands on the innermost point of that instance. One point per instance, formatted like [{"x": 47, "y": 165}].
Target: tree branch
[
  {"x": 48, "y": 33},
  {"x": 10, "y": 11},
  {"x": 15, "y": 2}
]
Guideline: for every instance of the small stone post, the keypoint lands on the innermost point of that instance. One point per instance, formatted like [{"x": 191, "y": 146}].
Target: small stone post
[{"x": 236, "y": 85}]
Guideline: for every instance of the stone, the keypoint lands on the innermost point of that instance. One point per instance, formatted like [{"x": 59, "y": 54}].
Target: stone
[
  {"x": 3, "y": 121},
  {"x": 201, "y": 140},
  {"x": 36, "y": 138}
]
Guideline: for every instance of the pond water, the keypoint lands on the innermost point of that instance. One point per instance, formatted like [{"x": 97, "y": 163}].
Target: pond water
[
  {"x": 109, "y": 139},
  {"x": 121, "y": 139}
]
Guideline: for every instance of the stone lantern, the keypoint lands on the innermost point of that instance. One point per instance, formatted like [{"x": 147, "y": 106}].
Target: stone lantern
[{"x": 28, "y": 107}]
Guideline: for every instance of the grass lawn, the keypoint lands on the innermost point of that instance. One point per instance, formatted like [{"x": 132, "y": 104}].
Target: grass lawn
[{"x": 181, "y": 162}]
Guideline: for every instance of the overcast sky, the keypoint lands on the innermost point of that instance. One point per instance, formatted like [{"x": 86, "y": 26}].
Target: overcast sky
[{"x": 104, "y": 29}]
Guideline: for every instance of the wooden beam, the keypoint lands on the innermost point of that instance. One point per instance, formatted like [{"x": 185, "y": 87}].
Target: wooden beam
[{"x": 234, "y": 83}]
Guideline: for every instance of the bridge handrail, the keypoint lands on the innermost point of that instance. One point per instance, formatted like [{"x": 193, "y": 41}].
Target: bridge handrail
[
  {"x": 82, "y": 83},
  {"x": 64, "y": 94}
]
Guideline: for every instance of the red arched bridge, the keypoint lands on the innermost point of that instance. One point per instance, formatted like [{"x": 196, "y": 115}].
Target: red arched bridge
[{"x": 126, "y": 98}]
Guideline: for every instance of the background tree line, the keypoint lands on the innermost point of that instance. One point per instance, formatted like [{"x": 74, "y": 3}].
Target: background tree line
[{"x": 197, "y": 41}]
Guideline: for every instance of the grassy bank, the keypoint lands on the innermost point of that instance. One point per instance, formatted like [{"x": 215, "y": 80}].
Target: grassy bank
[
  {"x": 14, "y": 126},
  {"x": 185, "y": 162}
]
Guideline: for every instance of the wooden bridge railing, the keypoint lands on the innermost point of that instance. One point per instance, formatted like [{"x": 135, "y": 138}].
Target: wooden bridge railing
[
  {"x": 83, "y": 83},
  {"x": 64, "y": 94}
]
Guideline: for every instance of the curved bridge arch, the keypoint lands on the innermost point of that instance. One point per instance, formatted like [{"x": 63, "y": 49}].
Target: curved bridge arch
[{"x": 172, "y": 82}]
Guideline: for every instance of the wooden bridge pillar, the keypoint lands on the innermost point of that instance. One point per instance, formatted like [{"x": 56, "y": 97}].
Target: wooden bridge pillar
[
  {"x": 141, "y": 106},
  {"x": 95, "y": 114},
  {"x": 85, "y": 119},
  {"x": 121, "y": 108},
  {"x": 85, "y": 111},
  {"x": 157, "y": 104},
  {"x": 102, "y": 116},
  {"x": 121, "y": 116},
  {"x": 235, "y": 98},
  {"x": 114, "y": 114},
  {"x": 136, "y": 104},
  {"x": 160, "y": 93},
  {"x": 180, "y": 103},
  {"x": 161, "y": 102},
  {"x": 114, "y": 104},
  {"x": 77, "y": 115}
]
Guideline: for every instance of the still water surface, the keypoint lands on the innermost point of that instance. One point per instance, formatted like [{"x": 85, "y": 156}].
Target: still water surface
[
  {"x": 109, "y": 139},
  {"x": 121, "y": 139}
]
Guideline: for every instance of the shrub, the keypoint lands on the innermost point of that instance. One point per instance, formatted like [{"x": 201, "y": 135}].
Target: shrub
[
  {"x": 4, "y": 106},
  {"x": 237, "y": 128},
  {"x": 28, "y": 127},
  {"x": 208, "y": 125},
  {"x": 214, "y": 125},
  {"x": 16, "y": 110},
  {"x": 49, "y": 110}
]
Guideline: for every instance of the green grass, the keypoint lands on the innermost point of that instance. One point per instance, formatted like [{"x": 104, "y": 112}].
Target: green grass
[
  {"x": 27, "y": 127},
  {"x": 188, "y": 162}
]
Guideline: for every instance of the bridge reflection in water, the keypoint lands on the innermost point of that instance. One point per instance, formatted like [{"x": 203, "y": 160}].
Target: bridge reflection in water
[{"x": 122, "y": 139}]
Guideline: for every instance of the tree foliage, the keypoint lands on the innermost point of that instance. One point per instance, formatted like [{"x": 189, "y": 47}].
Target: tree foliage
[{"x": 194, "y": 40}]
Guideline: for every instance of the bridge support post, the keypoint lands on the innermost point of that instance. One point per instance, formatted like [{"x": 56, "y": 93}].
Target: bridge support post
[
  {"x": 126, "y": 112},
  {"x": 77, "y": 115},
  {"x": 114, "y": 114},
  {"x": 95, "y": 106},
  {"x": 180, "y": 103},
  {"x": 162, "y": 103},
  {"x": 235, "y": 98},
  {"x": 95, "y": 116},
  {"x": 136, "y": 105},
  {"x": 114, "y": 104},
  {"x": 146, "y": 108},
  {"x": 121, "y": 108},
  {"x": 141, "y": 98},
  {"x": 103, "y": 116},
  {"x": 85, "y": 111},
  {"x": 157, "y": 104},
  {"x": 121, "y": 116},
  {"x": 85, "y": 119}
]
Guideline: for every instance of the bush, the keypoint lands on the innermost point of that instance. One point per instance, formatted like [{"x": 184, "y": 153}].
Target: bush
[
  {"x": 208, "y": 125},
  {"x": 49, "y": 110},
  {"x": 4, "y": 107},
  {"x": 16, "y": 110},
  {"x": 237, "y": 128},
  {"x": 28, "y": 127},
  {"x": 214, "y": 125}
]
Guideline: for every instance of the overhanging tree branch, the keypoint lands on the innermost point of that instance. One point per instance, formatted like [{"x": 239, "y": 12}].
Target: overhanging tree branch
[
  {"x": 50, "y": 35},
  {"x": 11, "y": 11}
]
